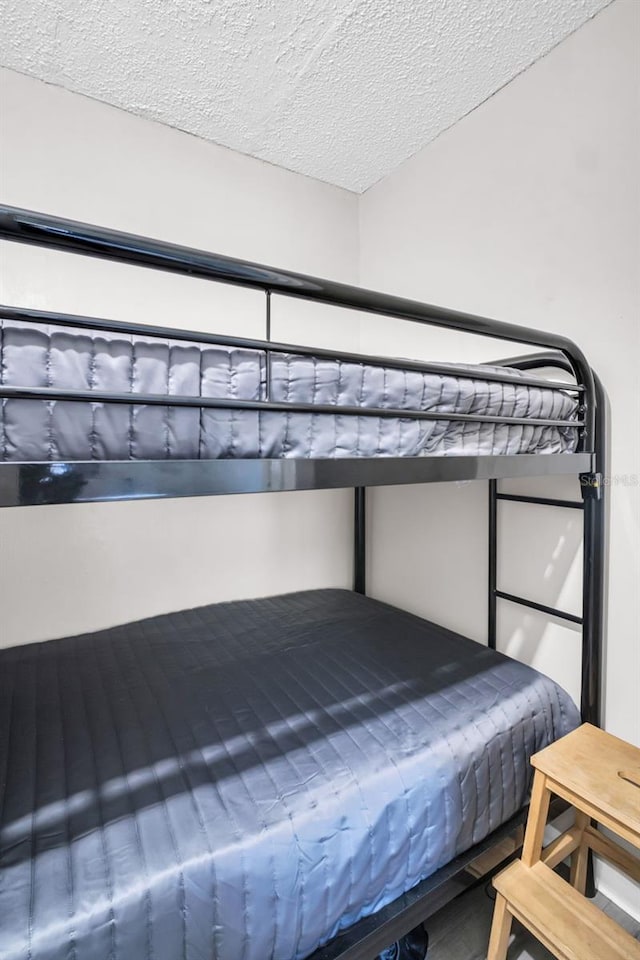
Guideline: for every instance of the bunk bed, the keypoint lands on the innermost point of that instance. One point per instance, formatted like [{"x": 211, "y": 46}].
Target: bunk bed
[{"x": 310, "y": 775}]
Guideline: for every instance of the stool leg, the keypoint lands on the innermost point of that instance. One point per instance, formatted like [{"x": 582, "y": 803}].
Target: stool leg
[
  {"x": 590, "y": 888},
  {"x": 536, "y": 821},
  {"x": 500, "y": 930},
  {"x": 579, "y": 858}
]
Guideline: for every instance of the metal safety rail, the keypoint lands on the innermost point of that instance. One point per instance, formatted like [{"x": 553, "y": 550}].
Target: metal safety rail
[
  {"x": 24, "y": 226},
  {"x": 25, "y": 484}
]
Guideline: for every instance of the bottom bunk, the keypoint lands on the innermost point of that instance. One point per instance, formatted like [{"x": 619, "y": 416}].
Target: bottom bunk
[{"x": 245, "y": 780}]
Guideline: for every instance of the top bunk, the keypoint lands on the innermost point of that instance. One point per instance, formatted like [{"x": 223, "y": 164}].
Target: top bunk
[{"x": 94, "y": 409}]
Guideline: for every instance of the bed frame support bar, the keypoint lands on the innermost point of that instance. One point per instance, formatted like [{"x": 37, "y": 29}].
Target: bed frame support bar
[
  {"x": 594, "y": 584},
  {"x": 493, "y": 564},
  {"x": 286, "y": 406},
  {"x": 359, "y": 540},
  {"x": 267, "y": 358}
]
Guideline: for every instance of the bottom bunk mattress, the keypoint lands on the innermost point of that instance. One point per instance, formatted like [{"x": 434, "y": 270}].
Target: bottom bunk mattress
[{"x": 244, "y": 780}]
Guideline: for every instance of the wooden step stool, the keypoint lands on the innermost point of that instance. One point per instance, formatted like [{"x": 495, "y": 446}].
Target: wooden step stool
[{"x": 599, "y": 775}]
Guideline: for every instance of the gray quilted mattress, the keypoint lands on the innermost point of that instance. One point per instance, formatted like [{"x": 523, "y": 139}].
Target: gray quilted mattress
[
  {"x": 32, "y": 355},
  {"x": 244, "y": 780}
]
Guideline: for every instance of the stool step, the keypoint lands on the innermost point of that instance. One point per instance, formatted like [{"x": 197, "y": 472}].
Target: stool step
[{"x": 571, "y": 927}]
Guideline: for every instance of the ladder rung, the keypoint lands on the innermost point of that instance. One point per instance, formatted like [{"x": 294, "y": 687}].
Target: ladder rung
[
  {"x": 547, "y": 501},
  {"x": 538, "y": 606}
]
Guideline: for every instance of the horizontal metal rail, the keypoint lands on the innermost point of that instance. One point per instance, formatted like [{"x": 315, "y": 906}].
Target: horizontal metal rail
[
  {"x": 538, "y": 606},
  {"x": 220, "y": 403},
  {"x": 83, "y": 481},
  {"x": 546, "y": 501},
  {"x": 24, "y": 315},
  {"x": 26, "y": 226}
]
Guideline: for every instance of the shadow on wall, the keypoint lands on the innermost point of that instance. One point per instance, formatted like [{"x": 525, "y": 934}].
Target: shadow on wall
[
  {"x": 545, "y": 552},
  {"x": 434, "y": 562},
  {"x": 540, "y": 559}
]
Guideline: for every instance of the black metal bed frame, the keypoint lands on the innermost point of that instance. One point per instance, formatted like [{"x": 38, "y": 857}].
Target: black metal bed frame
[{"x": 23, "y": 484}]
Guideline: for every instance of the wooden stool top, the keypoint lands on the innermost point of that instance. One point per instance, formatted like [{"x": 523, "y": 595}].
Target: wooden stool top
[{"x": 600, "y": 770}]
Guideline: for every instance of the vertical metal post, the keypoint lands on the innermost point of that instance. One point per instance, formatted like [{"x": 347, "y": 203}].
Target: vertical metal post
[
  {"x": 593, "y": 490},
  {"x": 492, "y": 600},
  {"x": 268, "y": 337},
  {"x": 591, "y": 607},
  {"x": 593, "y": 487},
  {"x": 359, "y": 540}
]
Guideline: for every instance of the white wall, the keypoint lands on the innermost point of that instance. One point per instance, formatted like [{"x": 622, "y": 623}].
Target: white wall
[
  {"x": 66, "y": 569},
  {"x": 527, "y": 210}
]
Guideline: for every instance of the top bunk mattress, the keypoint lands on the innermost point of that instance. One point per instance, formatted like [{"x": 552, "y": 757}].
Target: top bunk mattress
[
  {"x": 53, "y": 430},
  {"x": 244, "y": 780}
]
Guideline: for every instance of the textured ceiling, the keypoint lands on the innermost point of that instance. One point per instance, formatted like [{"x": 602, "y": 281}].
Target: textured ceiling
[{"x": 341, "y": 90}]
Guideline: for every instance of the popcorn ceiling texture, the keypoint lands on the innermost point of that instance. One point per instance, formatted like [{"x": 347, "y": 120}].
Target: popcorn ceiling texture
[{"x": 340, "y": 90}]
